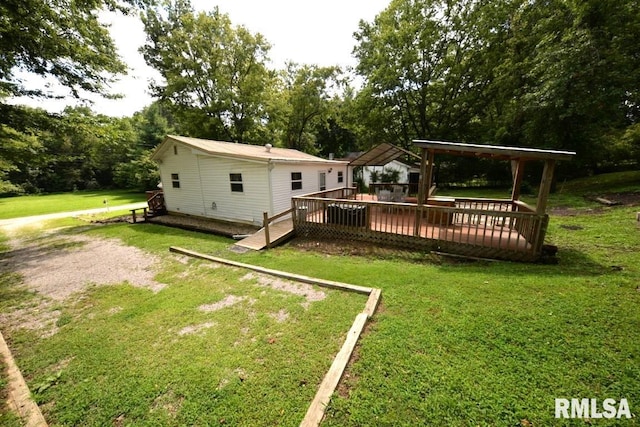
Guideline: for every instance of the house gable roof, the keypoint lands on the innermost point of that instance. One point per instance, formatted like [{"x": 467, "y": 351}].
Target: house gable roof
[{"x": 240, "y": 151}]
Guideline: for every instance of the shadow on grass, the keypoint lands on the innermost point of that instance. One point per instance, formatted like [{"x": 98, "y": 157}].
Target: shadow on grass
[
  {"x": 111, "y": 196},
  {"x": 571, "y": 263}
]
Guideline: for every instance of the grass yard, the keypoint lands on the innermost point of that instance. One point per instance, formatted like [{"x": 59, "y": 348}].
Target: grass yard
[
  {"x": 123, "y": 355},
  {"x": 454, "y": 343},
  {"x": 15, "y": 207}
]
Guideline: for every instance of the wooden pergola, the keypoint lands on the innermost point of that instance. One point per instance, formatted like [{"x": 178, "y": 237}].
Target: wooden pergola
[
  {"x": 517, "y": 155},
  {"x": 476, "y": 227}
]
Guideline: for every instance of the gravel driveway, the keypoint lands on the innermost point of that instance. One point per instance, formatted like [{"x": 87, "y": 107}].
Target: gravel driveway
[{"x": 58, "y": 266}]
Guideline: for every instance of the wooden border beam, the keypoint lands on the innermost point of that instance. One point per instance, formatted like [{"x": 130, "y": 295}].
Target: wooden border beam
[
  {"x": 19, "y": 396},
  {"x": 316, "y": 410}
]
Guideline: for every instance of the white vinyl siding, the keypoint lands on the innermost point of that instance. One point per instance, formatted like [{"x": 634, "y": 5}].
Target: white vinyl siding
[
  {"x": 281, "y": 182},
  {"x": 186, "y": 199},
  {"x": 205, "y": 184},
  {"x": 221, "y": 202}
]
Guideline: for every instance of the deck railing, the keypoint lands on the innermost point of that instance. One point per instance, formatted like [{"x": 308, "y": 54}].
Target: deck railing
[
  {"x": 155, "y": 201},
  {"x": 267, "y": 221},
  {"x": 489, "y": 228}
]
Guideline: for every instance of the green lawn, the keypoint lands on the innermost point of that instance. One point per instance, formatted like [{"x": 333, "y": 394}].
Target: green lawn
[
  {"x": 15, "y": 207},
  {"x": 453, "y": 344},
  {"x": 126, "y": 356}
]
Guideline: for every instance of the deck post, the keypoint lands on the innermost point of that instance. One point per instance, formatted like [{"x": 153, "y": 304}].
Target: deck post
[
  {"x": 518, "y": 173},
  {"x": 423, "y": 185},
  {"x": 545, "y": 186},
  {"x": 265, "y": 216}
]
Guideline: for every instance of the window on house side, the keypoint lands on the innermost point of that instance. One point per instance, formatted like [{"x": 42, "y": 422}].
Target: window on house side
[
  {"x": 236, "y": 182},
  {"x": 175, "y": 150},
  {"x": 175, "y": 180},
  {"x": 296, "y": 180},
  {"x": 340, "y": 177}
]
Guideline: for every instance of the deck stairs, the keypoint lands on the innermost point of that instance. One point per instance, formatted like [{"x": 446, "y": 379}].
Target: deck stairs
[{"x": 279, "y": 232}]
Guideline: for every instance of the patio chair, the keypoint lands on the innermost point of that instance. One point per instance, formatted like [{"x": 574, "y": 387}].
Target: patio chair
[
  {"x": 397, "y": 195},
  {"x": 384, "y": 196}
]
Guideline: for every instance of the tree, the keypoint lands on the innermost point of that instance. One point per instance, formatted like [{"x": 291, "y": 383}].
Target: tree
[
  {"x": 539, "y": 73},
  {"x": 61, "y": 39},
  {"x": 418, "y": 62},
  {"x": 43, "y": 152},
  {"x": 152, "y": 125},
  {"x": 581, "y": 77},
  {"x": 215, "y": 76},
  {"x": 301, "y": 103}
]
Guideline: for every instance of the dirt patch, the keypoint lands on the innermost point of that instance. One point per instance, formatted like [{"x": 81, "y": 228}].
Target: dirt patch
[
  {"x": 296, "y": 288},
  {"x": 63, "y": 266},
  {"x": 194, "y": 329},
  {"x": 349, "y": 248},
  {"x": 41, "y": 317},
  {"x": 228, "y": 301},
  {"x": 631, "y": 198},
  {"x": 571, "y": 227},
  {"x": 280, "y": 316},
  {"x": 168, "y": 402},
  {"x": 57, "y": 267},
  {"x": 205, "y": 225}
]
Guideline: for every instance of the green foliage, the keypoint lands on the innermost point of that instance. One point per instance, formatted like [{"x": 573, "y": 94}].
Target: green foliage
[
  {"x": 215, "y": 77},
  {"x": 553, "y": 74},
  {"x": 300, "y": 102},
  {"x": 390, "y": 175},
  {"x": 78, "y": 150},
  {"x": 60, "y": 39},
  {"x": 417, "y": 58},
  {"x": 140, "y": 174}
]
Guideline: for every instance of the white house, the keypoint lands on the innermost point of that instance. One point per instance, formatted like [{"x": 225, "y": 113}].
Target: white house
[
  {"x": 404, "y": 171},
  {"x": 238, "y": 182}
]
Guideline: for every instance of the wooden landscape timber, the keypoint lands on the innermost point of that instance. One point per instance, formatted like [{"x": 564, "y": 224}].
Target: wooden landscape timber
[
  {"x": 327, "y": 387},
  {"x": 20, "y": 400}
]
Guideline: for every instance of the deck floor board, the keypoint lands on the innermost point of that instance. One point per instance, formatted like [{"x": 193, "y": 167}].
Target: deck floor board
[{"x": 277, "y": 232}]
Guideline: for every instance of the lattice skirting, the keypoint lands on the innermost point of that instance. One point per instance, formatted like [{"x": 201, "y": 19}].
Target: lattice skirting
[{"x": 337, "y": 232}]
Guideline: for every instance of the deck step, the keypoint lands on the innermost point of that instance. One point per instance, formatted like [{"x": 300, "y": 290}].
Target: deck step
[{"x": 278, "y": 233}]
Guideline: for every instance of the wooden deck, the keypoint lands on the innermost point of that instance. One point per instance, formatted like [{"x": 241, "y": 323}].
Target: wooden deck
[
  {"x": 485, "y": 228},
  {"x": 481, "y": 233},
  {"x": 278, "y": 232}
]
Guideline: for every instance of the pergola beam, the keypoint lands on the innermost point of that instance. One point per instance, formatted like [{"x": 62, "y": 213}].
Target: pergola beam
[{"x": 517, "y": 155}]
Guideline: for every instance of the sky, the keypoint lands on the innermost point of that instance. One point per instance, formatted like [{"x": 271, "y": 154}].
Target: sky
[{"x": 307, "y": 32}]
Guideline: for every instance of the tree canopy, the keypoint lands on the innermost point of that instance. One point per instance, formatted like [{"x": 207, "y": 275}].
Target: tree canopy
[
  {"x": 61, "y": 39},
  {"x": 550, "y": 73},
  {"x": 215, "y": 74},
  {"x": 533, "y": 73}
]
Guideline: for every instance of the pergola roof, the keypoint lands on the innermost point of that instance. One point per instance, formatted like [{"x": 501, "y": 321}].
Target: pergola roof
[
  {"x": 381, "y": 154},
  {"x": 493, "y": 151}
]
